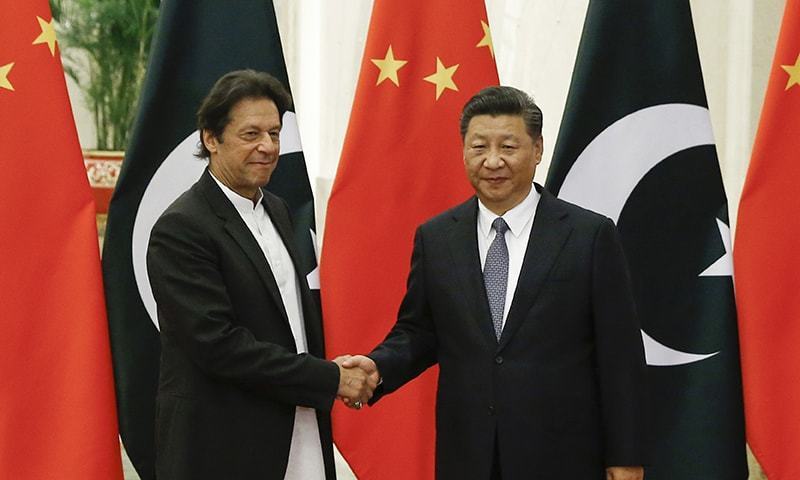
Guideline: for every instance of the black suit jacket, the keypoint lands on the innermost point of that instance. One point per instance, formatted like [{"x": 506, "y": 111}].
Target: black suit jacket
[
  {"x": 230, "y": 373},
  {"x": 561, "y": 392}
]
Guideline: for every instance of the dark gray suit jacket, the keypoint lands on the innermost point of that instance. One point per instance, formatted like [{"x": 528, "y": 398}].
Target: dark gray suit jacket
[
  {"x": 562, "y": 391},
  {"x": 230, "y": 373}
]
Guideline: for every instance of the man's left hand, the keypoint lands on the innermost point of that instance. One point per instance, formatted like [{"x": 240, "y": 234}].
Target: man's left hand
[{"x": 625, "y": 473}]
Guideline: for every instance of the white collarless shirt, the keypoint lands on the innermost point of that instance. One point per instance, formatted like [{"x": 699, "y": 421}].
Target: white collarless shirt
[
  {"x": 305, "y": 453},
  {"x": 520, "y": 222}
]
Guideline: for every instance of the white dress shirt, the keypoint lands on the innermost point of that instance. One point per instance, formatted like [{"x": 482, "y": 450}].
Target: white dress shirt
[
  {"x": 305, "y": 454},
  {"x": 520, "y": 221}
]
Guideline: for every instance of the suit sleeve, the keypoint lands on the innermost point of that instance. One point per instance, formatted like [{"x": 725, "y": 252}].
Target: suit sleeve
[
  {"x": 195, "y": 311},
  {"x": 620, "y": 353},
  {"x": 410, "y": 347}
]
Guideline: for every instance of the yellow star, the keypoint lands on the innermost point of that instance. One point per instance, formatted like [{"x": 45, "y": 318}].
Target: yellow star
[
  {"x": 47, "y": 36},
  {"x": 4, "y": 70},
  {"x": 443, "y": 78},
  {"x": 389, "y": 67},
  {"x": 794, "y": 73},
  {"x": 486, "y": 41}
]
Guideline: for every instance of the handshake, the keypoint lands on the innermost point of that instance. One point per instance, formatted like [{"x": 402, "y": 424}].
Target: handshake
[{"x": 358, "y": 378}]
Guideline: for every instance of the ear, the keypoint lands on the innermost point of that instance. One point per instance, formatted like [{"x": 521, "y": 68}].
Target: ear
[
  {"x": 210, "y": 141},
  {"x": 538, "y": 148}
]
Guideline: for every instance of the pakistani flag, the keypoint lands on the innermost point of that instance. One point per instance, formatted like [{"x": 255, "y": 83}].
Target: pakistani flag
[
  {"x": 636, "y": 145},
  {"x": 196, "y": 42}
]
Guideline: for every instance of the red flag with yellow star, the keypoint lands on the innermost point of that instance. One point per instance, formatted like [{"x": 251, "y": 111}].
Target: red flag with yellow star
[
  {"x": 401, "y": 164},
  {"x": 57, "y": 412},
  {"x": 767, "y": 267}
]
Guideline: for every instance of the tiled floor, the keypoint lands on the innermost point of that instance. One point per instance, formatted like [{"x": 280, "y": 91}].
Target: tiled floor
[
  {"x": 127, "y": 468},
  {"x": 755, "y": 469}
]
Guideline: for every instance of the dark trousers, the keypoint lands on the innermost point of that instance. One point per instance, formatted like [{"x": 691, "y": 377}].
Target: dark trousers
[{"x": 495, "y": 475}]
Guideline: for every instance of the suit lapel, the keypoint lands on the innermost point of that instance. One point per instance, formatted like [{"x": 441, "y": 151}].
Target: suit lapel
[
  {"x": 237, "y": 229},
  {"x": 463, "y": 238},
  {"x": 313, "y": 325},
  {"x": 548, "y": 235}
]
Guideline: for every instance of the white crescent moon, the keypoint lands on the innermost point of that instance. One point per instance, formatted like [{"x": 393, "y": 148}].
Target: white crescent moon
[
  {"x": 612, "y": 165},
  {"x": 179, "y": 171}
]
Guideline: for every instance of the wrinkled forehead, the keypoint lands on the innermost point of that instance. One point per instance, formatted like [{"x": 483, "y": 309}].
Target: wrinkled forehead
[{"x": 256, "y": 111}]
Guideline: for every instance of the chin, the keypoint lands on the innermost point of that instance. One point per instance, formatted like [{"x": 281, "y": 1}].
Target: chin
[
  {"x": 495, "y": 195},
  {"x": 263, "y": 179}
]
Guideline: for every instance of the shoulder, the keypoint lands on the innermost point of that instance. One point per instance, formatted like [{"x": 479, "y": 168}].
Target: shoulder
[
  {"x": 187, "y": 213},
  {"x": 463, "y": 211},
  {"x": 575, "y": 214}
]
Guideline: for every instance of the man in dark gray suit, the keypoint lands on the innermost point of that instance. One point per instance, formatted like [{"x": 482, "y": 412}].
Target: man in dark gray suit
[
  {"x": 525, "y": 303},
  {"x": 244, "y": 390}
]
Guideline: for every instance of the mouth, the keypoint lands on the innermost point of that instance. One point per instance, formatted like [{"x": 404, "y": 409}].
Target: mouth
[
  {"x": 495, "y": 180},
  {"x": 264, "y": 164}
]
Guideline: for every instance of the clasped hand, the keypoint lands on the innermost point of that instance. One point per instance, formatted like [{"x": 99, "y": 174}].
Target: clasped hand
[{"x": 358, "y": 378}]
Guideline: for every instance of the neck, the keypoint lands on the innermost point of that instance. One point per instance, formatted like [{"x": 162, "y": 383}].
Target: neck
[
  {"x": 252, "y": 194},
  {"x": 501, "y": 207}
]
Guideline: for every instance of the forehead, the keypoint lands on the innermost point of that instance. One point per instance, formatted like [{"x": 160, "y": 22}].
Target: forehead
[
  {"x": 254, "y": 110},
  {"x": 496, "y": 125}
]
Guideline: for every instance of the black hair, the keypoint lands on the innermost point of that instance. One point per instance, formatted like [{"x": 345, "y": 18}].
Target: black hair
[
  {"x": 499, "y": 100},
  {"x": 233, "y": 87}
]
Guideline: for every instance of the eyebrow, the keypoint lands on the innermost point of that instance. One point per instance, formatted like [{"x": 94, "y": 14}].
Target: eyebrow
[
  {"x": 510, "y": 136},
  {"x": 252, "y": 126}
]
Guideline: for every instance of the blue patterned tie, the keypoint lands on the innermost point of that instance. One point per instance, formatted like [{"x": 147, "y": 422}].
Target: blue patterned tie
[{"x": 495, "y": 274}]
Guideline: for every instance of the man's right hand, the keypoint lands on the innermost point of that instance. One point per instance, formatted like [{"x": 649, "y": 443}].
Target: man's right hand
[
  {"x": 624, "y": 473},
  {"x": 355, "y": 384}
]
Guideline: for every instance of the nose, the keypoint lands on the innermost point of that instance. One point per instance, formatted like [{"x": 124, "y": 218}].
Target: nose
[
  {"x": 268, "y": 144},
  {"x": 494, "y": 160}
]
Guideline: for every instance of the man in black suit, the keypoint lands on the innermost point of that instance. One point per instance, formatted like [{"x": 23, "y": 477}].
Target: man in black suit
[
  {"x": 244, "y": 390},
  {"x": 525, "y": 303}
]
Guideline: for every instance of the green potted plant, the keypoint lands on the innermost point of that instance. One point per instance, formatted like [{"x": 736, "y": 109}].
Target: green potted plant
[{"x": 105, "y": 45}]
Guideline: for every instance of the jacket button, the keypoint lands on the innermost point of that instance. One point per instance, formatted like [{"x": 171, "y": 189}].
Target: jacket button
[
  {"x": 498, "y": 360},
  {"x": 491, "y": 410}
]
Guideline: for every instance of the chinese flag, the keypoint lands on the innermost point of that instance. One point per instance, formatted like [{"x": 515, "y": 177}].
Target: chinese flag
[
  {"x": 57, "y": 412},
  {"x": 767, "y": 266},
  {"x": 401, "y": 164}
]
